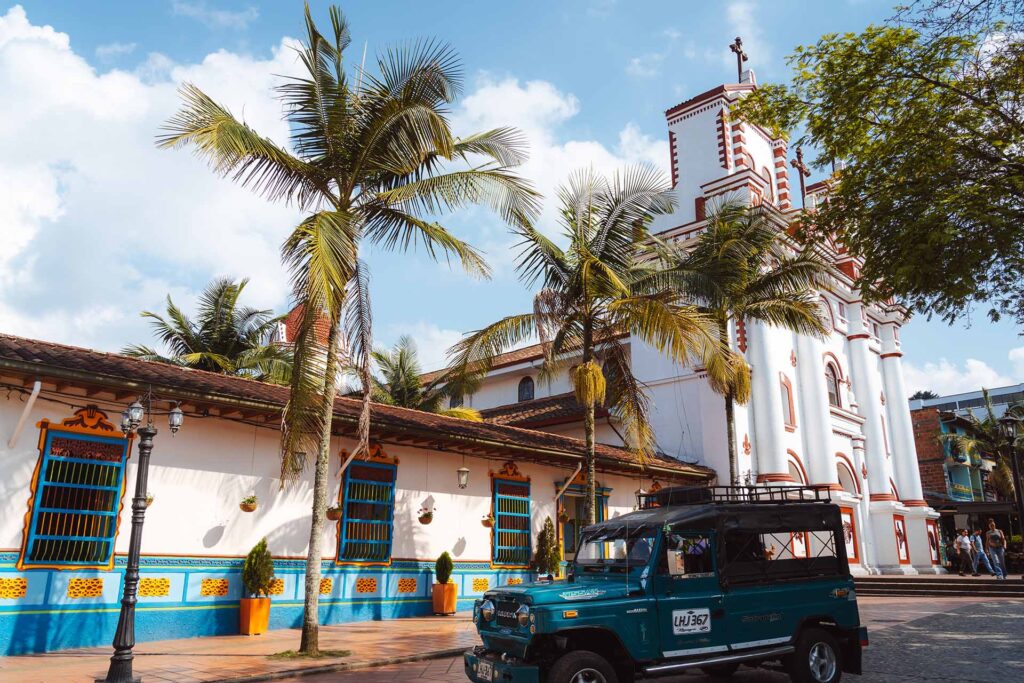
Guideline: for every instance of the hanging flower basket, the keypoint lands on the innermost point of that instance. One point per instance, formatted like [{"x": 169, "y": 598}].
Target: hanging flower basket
[
  {"x": 149, "y": 499},
  {"x": 334, "y": 513},
  {"x": 426, "y": 516},
  {"x": 488, "y": 521},
  {"x": 563, "y": 516},
  {"x": 249, "y": 504}
]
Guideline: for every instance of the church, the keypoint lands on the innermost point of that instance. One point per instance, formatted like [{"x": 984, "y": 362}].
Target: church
[{"x": 829, "y": 413}]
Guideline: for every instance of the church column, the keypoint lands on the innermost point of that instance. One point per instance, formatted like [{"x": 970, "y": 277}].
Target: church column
[
  {"x": 904, "y": 452},
  {"x": 814, "y": 411},
  {"x": 766, "y": 406},
  {"x": 883, "y": 504}
]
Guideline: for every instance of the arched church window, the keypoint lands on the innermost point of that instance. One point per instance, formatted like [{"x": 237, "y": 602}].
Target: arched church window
[
  {"x": 771, "y": 186},
  {"x": 832, "y": 384},
  {"x": 526, "y": 389}
]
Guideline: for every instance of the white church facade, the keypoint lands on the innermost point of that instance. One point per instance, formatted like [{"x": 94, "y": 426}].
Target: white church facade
[{"x": 826, "y": 412}]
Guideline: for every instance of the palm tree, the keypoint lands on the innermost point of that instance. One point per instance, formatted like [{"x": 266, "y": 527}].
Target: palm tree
[
  {"x": 984, "y": 437},
  {"x": 371, "y": 157},
  {"x": 744, "y": 267},
  {"x": 223, "y": 337},
  {"x": 589, "y": 297},
  {"x": 398, "y": 383}
]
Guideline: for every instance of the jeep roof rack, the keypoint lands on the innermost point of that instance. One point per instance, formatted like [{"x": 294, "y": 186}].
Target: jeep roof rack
[{"x": 761, "y": 495}]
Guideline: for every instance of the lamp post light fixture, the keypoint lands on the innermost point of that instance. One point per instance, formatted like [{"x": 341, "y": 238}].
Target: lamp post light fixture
[
  {"x": 463, "y": 473},
  {"x": 1008, "y": 426},
  {"x": 120, "y": 670}
]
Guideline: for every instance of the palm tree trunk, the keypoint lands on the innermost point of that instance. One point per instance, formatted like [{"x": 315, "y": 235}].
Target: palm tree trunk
[
  {"x": 310, "y": 642},
  {"x": 730, "y": 436},
  {"x": 590, "y": 502}
]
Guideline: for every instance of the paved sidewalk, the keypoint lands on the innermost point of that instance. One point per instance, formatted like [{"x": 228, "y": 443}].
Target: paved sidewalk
[{"x": 241, "y": 658}]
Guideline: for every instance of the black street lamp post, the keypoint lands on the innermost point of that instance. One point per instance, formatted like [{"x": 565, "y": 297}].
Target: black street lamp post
[
  {"x": 120, "y": 670},
  {"x": 1009, "y": 428}
]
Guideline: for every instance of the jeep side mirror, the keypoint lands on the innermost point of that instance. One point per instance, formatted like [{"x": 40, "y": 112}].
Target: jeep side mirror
[{"x": 676, "y": 562}]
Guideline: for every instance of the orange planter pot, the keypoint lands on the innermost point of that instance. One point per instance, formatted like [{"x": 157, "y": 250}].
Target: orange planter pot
[
  {"x": 445, "y": 596},
  {"x": 254, "y": 616}
]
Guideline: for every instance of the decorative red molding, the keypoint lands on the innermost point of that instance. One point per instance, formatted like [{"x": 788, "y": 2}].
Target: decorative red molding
[
  {"x": 858, "y": 336},
  {"x": 799, "y": 465},
  {"x": 792, "y": 358},
  {"x": 892, "y": 354},
  {"x": 882, "y": 496},
  {"x": 843, "y": 461},
  {"x": 674, "y": 159},
  {"x": 769, "y": 477},
  {"x": 723, "y": 143},
  {"x": 746, "y": 445},
  {"x": 741, "y": 335},
  {"x": 915, "y": 503}
]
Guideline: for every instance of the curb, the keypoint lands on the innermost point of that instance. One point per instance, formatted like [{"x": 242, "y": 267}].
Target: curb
[{"x": 344, "y": 666}]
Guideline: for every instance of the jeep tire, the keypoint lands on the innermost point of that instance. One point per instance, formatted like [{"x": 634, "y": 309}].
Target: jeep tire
[
  {"x": 581, "y": 666},
  {"x": 817, "y": 658}
]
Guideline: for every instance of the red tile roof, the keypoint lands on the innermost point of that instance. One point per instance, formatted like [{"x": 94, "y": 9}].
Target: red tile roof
[
  {"x": 109, "y": 372},
  {"x": 551, "y": 410}
]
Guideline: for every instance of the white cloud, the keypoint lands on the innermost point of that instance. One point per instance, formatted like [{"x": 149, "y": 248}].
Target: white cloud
[
  {"x": 114, "y": 50},
  {"x": 944, "y": 377},
  {"x": 96, "y": 224},
  {"x": 539, "y": 110},
  {"x": 432, "y": 342},
  {"x": 215, "y": 18},
  {"x": 645, "y": 66}
]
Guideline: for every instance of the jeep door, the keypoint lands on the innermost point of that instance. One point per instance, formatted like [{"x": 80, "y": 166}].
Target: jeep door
[{"x": 689, "y": 596}]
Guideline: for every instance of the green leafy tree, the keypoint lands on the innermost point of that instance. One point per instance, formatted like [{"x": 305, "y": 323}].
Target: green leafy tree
[
  {"x": 258, "y": 570},
  {"x": 372, "y": 158},
  {"x": 547, "y": 558},
  {"x": 923, "y": 394},
  {"x": 223, "y": 336},
  {"x": 593, "y": 291},
  {"x": 744, "y": 266},
  {"x": 931, "y": 130},
  {"x": 397, "y": 383},
  {"x": 983, "y": 437}
]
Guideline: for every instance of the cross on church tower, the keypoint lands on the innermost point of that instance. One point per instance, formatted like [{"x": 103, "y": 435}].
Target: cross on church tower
[
  {"x": 803, "y": 172},
  {"x": 741, "y": 56}
]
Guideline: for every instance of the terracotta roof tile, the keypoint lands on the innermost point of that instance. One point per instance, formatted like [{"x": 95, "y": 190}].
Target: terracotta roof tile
[
  {"x": 70, "y": 364},
  {"x": 542, "y": 411}
]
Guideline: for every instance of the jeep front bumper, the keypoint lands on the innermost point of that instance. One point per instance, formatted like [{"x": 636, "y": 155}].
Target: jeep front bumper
[{"x": 483, "y": 666}]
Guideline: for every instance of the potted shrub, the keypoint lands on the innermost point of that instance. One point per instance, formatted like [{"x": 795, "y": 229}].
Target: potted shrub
[
  {"x": 445, "y": 592},
  {"x": 334, "y": 512},
  {"x": 488, "y": 521},
  {"x": 425, "y": 516},
  {"x": 257, "y": 575},
  {"x": 249, "y": 503}
]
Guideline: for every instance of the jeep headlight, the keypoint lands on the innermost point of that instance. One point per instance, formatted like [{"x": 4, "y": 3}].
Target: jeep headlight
[
  {"x": 523, "y": 615},
  {"x": 487, "y": 610}
]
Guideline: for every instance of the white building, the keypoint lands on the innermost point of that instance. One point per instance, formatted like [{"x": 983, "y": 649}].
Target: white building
[
  {"x": 830, "y": 413},
  {"x": 69, "y": 478}
]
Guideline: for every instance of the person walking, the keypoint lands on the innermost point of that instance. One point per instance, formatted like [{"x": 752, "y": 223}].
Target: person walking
[
  {"x": 996, "y": 542},
  {"x": 963, "y": 552},
  {"x": 978, "y": 554}
]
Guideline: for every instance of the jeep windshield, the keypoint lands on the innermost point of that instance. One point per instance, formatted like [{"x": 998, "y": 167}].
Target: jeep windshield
[{"x": 615, "y": 550}]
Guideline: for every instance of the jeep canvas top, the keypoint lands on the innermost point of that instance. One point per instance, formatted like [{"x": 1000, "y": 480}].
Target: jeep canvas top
[{"x": 709, "y": 578}]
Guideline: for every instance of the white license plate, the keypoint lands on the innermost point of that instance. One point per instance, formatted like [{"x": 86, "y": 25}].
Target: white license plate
[{"x": 484, "y": 670}]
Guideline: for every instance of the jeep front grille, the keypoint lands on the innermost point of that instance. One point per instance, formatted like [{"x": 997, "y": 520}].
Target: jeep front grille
[{"x": 506, "y": 612}]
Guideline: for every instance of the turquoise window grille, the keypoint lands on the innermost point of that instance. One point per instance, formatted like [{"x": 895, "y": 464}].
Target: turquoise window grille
[
  {"x": 76, "y": 501},
  {"x": 511, "y": 523},
  {"x": 368, "y": 517}
]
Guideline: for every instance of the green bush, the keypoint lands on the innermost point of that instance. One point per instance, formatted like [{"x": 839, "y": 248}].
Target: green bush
[
  {"x": 258, "y": 570},
  {"x": 443, "y": 568},
  {"x": 547, "y": 558}
]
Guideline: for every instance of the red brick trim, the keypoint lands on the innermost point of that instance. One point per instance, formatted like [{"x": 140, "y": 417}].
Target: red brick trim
[
  {"x": 675, "y": 162},
  {"x": 774, "y": 477},
  {"x": 723, "y": 142}
]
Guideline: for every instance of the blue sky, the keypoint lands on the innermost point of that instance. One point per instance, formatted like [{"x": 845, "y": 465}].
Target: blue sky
[{"x": 98, "y": 225}]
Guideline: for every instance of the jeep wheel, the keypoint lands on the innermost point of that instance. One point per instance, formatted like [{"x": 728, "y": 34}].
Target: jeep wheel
[
  {"x": 817, "y": 658},
  {"x": 582, "y": 667},
  {"x": 720, "y": 671}
]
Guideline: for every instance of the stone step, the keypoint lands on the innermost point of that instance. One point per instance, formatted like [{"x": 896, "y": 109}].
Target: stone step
[{"x": 939, "y": 586}]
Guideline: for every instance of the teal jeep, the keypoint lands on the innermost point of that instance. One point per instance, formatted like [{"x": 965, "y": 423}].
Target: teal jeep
[{"x": 706, "y": 579}]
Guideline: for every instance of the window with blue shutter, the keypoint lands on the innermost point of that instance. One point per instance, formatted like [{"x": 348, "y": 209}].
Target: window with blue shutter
[
  {"x": 511, "y": 523},
  {"x": 368, "y": 516},
  {"x": 76, "y": 500}
]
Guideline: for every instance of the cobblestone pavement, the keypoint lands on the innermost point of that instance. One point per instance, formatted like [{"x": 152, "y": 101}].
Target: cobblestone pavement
[{"x": 912, "y": 639}]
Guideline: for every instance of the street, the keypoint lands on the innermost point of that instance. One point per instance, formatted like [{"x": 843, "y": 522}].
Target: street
[{"x": 911, "y": 640}]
